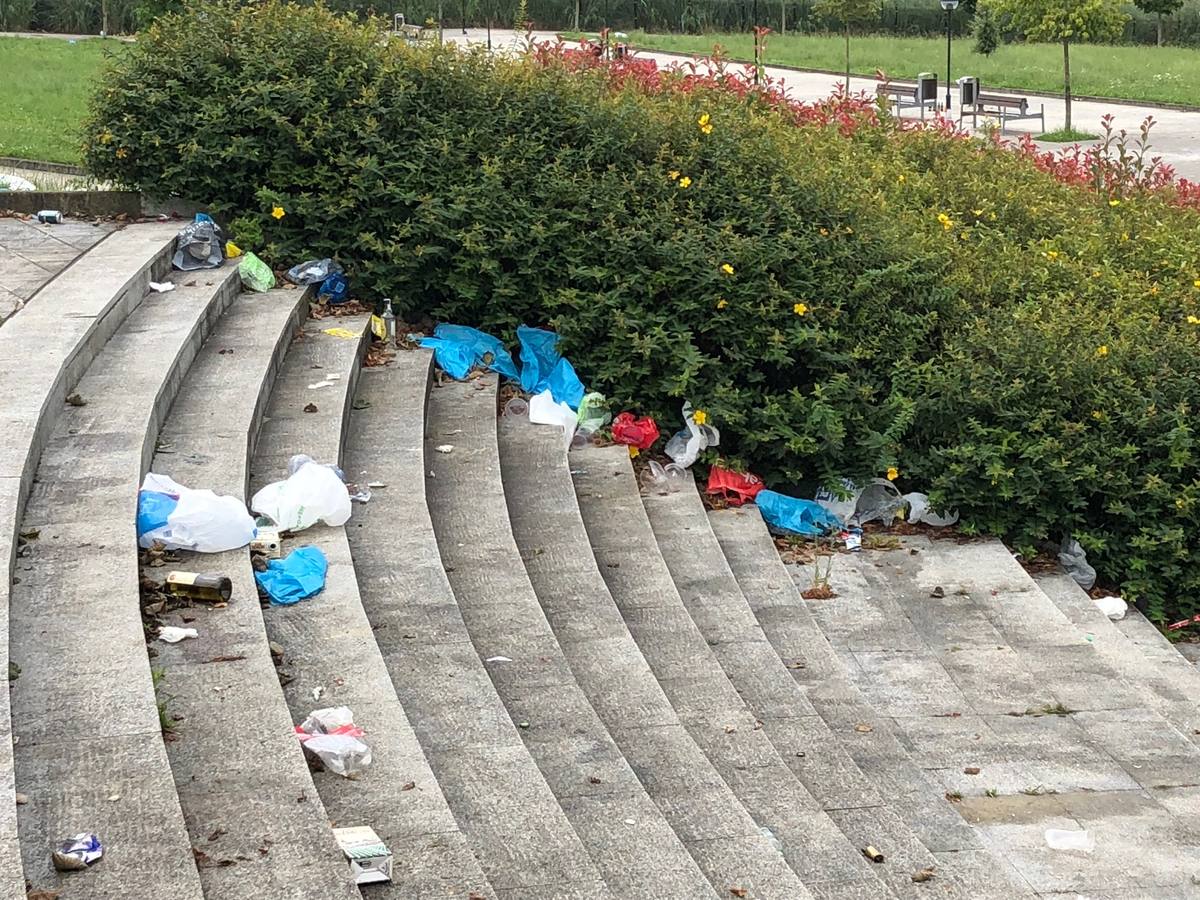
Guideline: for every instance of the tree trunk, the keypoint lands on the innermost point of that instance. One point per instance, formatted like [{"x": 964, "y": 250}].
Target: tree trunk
[
  {"x": 783, "y": 19},
  {"x": 847, "y": 59},
  {"x": 1160, "y": 29},
  {"x": 577, "y": 15},
  {"x": 1067, "y": 80}
]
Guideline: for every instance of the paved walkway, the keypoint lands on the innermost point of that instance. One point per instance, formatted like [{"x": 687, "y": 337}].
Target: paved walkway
[
  {"x": 1175, "y": 136},
  {"x": 32, "y": 254}
]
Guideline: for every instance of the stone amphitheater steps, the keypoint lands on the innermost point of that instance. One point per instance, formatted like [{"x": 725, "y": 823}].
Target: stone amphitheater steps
[
  {"x": 990, "y": 676},
  {"x": 711, "y": 710},
  {"x": 90, "y": 755},
  {"x": 329, "y": 645},
  {"x": 69, "y": 324},
  {"x": 621, "y": 687},
  {"x": 631, "y": 846},
  {"x": 246, "y": 792}
]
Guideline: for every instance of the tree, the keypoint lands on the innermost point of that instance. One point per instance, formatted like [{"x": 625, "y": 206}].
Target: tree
[
  {"x": 849, "y": 13},
  {"x": 1160, "y": 8},
  {"x": 987, "y": 32},
  {"x": 1065, "y": 22}
]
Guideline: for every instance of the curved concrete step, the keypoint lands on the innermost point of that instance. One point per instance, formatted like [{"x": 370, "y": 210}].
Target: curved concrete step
[
  {"x": 609, "y": 667},
  {"x": 630, "y": 844},
  {"x": 90, "y": 754},
  {"x": 715, "y": 716},
  {"x": 329, "y": 645},
  {"x": 242, "y": 779},
  {"x": 83, "y": 308},
  {"x": 852, "y": 723},
  {"x": 983, "y": 675}
]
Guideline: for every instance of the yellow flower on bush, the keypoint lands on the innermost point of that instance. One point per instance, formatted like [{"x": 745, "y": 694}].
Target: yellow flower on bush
[
  {"x": 900, "y": 179},
  {"x": 1114, "y": 202},
  {"x": 122, "y": 153},
  {"x": 1193, "y": 320},
  {"x": 977, "y": 213},
  {"x": 824, "y": 232},
  {"x": 705, "y": 123},
  {"x": 1051, "y": 255},
  {"x": 892, "y": 473},
  {"x": 699, "y": 417},
  {"x": 1097, "y": 415},
  {"x": 633, "y": 451},
  {"x": 685, "y": 182},
  {"x": 727, "y": 268},
  {"x": 722, "y": 303},
  {"x": 1102, "y": 350},
  {"x": 1196, "y": 283},
  {"x": 673, "y": 174},
  {"x": 947, "y": 222},
  {"x": 1179, "y": 503},
  {"x": 799, "y": 309},
  {"x": 278, "y": 212},
  {"x": 106, "y": 136}
]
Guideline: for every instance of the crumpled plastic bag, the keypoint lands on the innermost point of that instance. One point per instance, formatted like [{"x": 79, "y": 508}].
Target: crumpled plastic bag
[
  {"x": 313, "y": 271},
  {"x": 311, "y": 493},
  {"x": 331, "y": 735},
  {"x": 878, "y": 500},
  {"x": 640, "y": 433},
  {"x": 1113, "y": 607},
  {"x": 735, "y": 487},
  {"x": 1073, "y": 558},
  {"x": 543, "y": 367},
  {"x": 795, "y": 516},
  {"x": 256, "y": 275},
  {"x": 593, "y": 413},
  {"x": 920, "y": 513},
  {"x": 545, "y": 410},
  {"x": 198, "y": 245},
  {"x": 458, "y": 349},
  {"x": 1062, "y": 839},
  {"x": 685, "y": 446},
  {"x": 183, "y": 519},
  {"x": 334, "y": 290},
  {"x": 839, "y": 502},
  {"x": 77, "y": 853},
  {"x": 298, "y": 575}
]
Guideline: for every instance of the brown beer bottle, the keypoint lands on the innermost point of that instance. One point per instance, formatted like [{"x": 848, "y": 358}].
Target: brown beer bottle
[{"x": 216, "y": 588}]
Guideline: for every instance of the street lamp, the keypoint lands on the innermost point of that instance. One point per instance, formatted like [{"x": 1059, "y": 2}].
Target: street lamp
[{"x": 949, "y": 6}]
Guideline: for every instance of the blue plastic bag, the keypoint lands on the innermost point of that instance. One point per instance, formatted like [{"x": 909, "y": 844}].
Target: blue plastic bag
[
  {"x": 298, "y": 575},
  {"x": 788, "y": 514},
  {"x": 542, "y": 367},
  {"x": 334, "y": 290},
  {"x": 459, "y": 349},
  {"x": 153, "y": 510}
]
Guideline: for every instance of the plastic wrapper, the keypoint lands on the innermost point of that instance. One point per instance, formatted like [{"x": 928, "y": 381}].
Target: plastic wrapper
[
  {"x": 791, "y": 515},
  {"x": 77, "y": 853},
  {"x": 198, "y": 245},
  {"x": 543, "y": 368},
  {"x": 312, "y": 493},
  {"x": 256, "y": 275},
  {"x": 735, "y": 487},
  {"x": 458, "y": 349},
  {"x": 298, "y": 575},
  {"x": 183, "y": 519},
  {"x": 640, "y": 433},
  {"x": 1073, "y": 558},
  {"x": 331, "y": 735},
  {"x": 920, "y": 513},
  {"x": 593, "y": 413},
  {"x": 685, "y": 446},
  {"x": 313, "y": 271},
  {"x": 545, "y": 410}
]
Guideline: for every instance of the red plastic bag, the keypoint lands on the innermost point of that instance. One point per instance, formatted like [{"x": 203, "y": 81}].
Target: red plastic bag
[
  {"x": 735, "y": 487},
  {"x": 640, "y": 433}
]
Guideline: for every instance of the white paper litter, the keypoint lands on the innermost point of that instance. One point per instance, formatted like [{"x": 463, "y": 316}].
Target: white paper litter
[
  {"x": 444, "y": 448},
  {"x": 320, "y": 384},
  {"x": 1113, "y": 607},
  {"x": 543, "y": 410},
  {"x": 1061, "y": 839},
  {"x": 498, "y": 659},
  {"x": 161, "y": 287},
  {"x": 173, "y": 635}
]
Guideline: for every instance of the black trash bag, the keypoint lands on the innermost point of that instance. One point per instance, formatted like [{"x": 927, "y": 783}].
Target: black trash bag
[
  {"x": 199, "y": 245},
  {"x": 314, "y": 271}
]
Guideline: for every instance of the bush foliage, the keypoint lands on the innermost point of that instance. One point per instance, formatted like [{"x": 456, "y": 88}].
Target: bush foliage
[{"x": 839, "y": 293}]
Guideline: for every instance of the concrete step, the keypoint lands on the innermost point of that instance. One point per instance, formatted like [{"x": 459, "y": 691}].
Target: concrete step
[
  {"x": 608, "y": 665},
  {"x": 329, "y": 644},
  {"x": 82, "y": 308},
  {"x": 707, "y": 704},
  {"x": 613, "y": 821},
  {"x": 983, "y": 675},
  {"x": 242, "y": 779},
  {"x": 90, "y": 755},
  {"x": 868, "y": 737}
]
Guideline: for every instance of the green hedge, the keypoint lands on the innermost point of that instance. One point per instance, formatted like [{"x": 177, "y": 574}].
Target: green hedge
[{"x": 1018, "y": 346}]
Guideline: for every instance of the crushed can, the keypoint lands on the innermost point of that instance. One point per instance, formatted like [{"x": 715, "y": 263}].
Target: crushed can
[{"x": 50, "y": 217}]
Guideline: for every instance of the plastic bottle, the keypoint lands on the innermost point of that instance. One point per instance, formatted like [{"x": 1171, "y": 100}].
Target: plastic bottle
[{"x": 389, "y": 321}]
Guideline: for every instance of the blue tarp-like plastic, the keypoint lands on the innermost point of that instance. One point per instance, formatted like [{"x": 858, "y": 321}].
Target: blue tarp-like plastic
[
  {"x": 153, "y": 510},
  {"x": 543, "y": 368},
  {"x": 298, "y": 575},
  {"x": 795, "y": 516},
  {"x": 459, "y": 348}
]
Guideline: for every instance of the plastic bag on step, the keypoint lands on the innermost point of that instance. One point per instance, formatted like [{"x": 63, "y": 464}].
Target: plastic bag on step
[
  {"x": 334, "y": 290},
  {"x": 1073, "y": 558},
  {"x": 734, "y": 487},
  {"x": 313, "y": 271},
  {"x": 1113, "y": 607},
  {"x": 543, "y": 367},
  {"x": 459, "y": 348},
  {"x": 256, "y": 275},
  {"x": 183, "y": 519},
  {"x": 199, "y": 245},
  {"x": 545, "y": 410},
  {"x": 794, "y": 516},
  {"x": 331, "y": 735},
  {"x": 878, "y": 500},
  {"x": 298, "y": 575},
  {"x": 919, "y": 512},
  {"x": 686, "y": 445},
  {"x": 312, "y": 493},
  {"x": 640, "y": 433},
  {"x": 840, "y": 501},
  {"x": 593, "y": 413}
]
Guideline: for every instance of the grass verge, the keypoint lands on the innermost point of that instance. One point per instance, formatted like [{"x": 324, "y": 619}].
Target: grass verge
[{"x": 1068, "y": 136}]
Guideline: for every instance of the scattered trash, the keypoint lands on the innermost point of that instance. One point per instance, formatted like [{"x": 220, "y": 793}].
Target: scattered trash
[
  {"x": 180, "y": 518},
  {"x": 516, "y": 408},
  {"x": 543, "y": 367},
  {"x": 77, "y": 853},
  {"x": 878, "y": 500},
  {"x": 320, "y": 384},
  {"x": 16, "y": 183},
  {"x": 311, "y": 493},
  {"x": 853, "y": 537},
  {"x": 344, "y": 333},
  {"x": 388, "y": 323},
  {"x": 21, "y": 799},
  {"x": 793, "y": 516},
  {"x": 1073, "y": 558},
  {"x": 256, "y": 275},
  {"x": 334, "y": 290},
  {"x": 331, "y": 735},
  {"x": 161, "y": 287},
  {"x": 49, "y": 217},
  {"x": 920, "y": 513},
  {"x": 1113, "y": 607},
  {"x": 298, "y": 575},
  {"x": 370, "y": 859},
  {"x": 310, "y": 407},
  {"x": 545, "y": 410},
  {"x": 922, "y": 875},
  {"x": 938, "y": 592},
  {"x": 671, "y": 477},
  {"x": 216, "y": 588},
  {"x": 864, "y": 728},
  {"x": 359, "y": 494},
  {"x": 267, "y": 541},
  {"x": 739, "y": 891},
  {"x": 640, "y": 433},
  {"x": 685, "y": 446},
  {"x": 1061, "y": 839},
  {"x": 74, "y": 400},
  {"x": 593, "y": 413},
  {"x": 198, "y": 245},
  {"x": 173, "y": 635},
  {"x": 444, "y": 448},
  {"x": 232, "y": 250},
  {"x": 872, "y": 854},
  {"x": 497, "y": 659},
  {"x": 314, "y": 271},
  {"x": 735, "y": 487},
  {"x": 458, "y": 349},
  {"x": 374, "y": 485}
]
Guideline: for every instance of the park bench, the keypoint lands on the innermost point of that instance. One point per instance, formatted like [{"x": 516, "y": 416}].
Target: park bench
[
  {"x": 411, "y": 33},
  {"x": 901, "y": 95},
  {"x": 1005, "y": 108}
]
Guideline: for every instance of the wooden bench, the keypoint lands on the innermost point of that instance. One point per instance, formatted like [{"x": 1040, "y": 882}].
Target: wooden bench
[
  {"x": 902, "y": 95},
  {"x": 412, "y": 33},
  {"x": 1006, "y": 109}
]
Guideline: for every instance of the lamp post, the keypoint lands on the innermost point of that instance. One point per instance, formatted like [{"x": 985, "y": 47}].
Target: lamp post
[{"x": 949, "y": 6}]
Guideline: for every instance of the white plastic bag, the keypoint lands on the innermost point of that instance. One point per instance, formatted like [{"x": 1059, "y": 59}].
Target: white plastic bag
[
  {"x": 1061, "y": 839},
  {"x": 1113, "y": 607},
  {"x": 543, "y": 410},
  {"x": 201, "y": 520},
  {"x": 878, "y": 500},
  {"x": 330, "y": 734},
  {"x": 1073, "y": 558},
  {"x": 312, "y": 493},
  {"x": 919, "y": 511},
  {"x": 686, "y": 445}
]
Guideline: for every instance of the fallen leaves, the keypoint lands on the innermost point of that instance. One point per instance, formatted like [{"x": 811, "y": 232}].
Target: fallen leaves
[
  {"x": 75, "y": 400},
  {"x": 971, "y": 770},
  {"x": 739, "y": 891},
  {"x": 310, "y": 408},
  {"x": 863, "y": 728},
  {"x": 923, "y": 875}
]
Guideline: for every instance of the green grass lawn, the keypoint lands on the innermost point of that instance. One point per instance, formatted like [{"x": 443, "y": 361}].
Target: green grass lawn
[
  {"x": 1156, "y": 74},
  {"x": 46, "y": 85}
]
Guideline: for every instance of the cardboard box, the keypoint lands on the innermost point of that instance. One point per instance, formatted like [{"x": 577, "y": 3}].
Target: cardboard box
[{"x": 370, "y": 859}]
